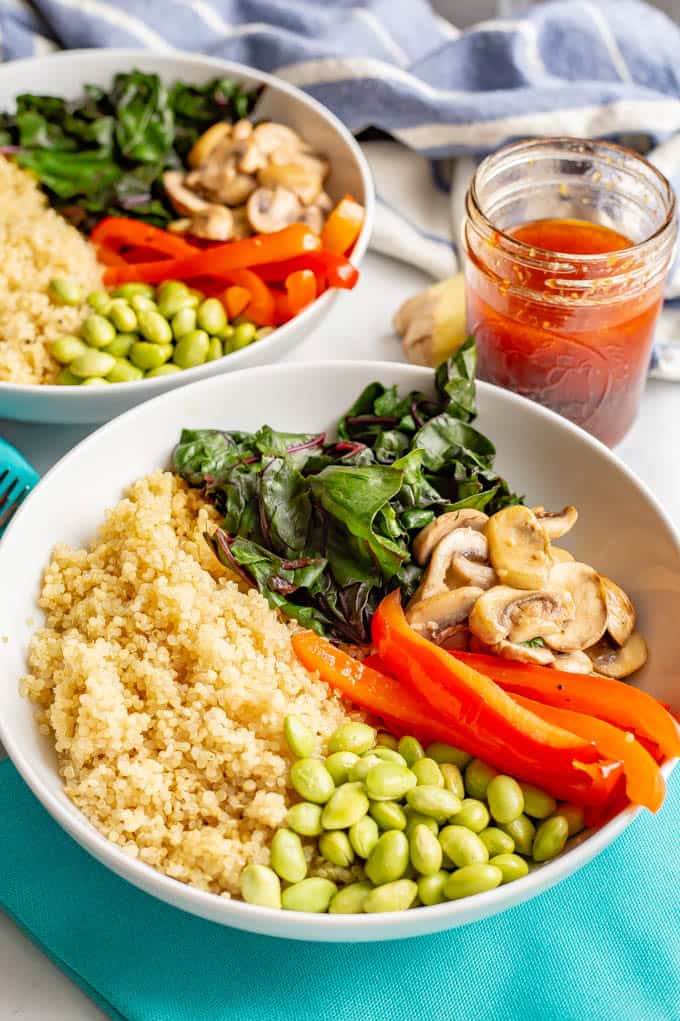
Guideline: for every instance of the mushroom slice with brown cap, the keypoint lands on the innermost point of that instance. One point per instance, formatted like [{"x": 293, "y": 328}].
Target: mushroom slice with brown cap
[
  {"x": 519, "y": 550},
  {"x": 560, "y": 556},
  {"x": 205, "y": 144},
  {"x": 183, "y": 199},
  {"x": 215, "y": 223},
  {"x": 556, "y": 523},
  {"x": 466, "y": 569},
  {"x": 426, "y": 540},
  {"x": 619, "y": 661},
  {"x": 272, "y": 209},
  {"x": 524, "y": 653},
  {"x": 270, "y": 136},
  {"x": 219, "y": 181},
  {"x": 461, "y": 540},
  {"x": 620, "y": 611},
  {"x": 517, "y": 615},
  {"x": 575, "y": 662},
  {"x": 302, "y": 181},
  {"x": 582, "y": 583},
  {"x": 438, "y": 617}
]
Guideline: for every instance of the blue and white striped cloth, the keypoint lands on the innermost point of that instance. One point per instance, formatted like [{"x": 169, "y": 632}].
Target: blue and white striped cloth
[{"x": 577, "y": 67}]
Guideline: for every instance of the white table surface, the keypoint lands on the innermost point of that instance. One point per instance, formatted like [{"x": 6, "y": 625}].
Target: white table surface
[{"x": 31, "y": 987}]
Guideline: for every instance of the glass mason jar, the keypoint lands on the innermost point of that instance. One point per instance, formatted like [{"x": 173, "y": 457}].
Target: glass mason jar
[{"x": 571, "y": 331}]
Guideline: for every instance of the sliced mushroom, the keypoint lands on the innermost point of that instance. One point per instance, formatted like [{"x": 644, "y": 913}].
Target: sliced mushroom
[
  {"x": 242, "y": 129},
  {"x": 518, "y": 548},
  {"x": 215, "y": 223},
  {"x": 575, "y": 662},
  {"x": 524, "y": 653},
  {"x": 468, "y": 570},
  {"x": 428, "y": 537},
  {"x": 271, "y": 136},
  {"x": 271, "y": 209},
  {"x": 242, "y": 227},
  {"x": 205, "y": 143},
  {"x": 588, "y": 625},
  {"x": 620, "y": 611},
  {"x": 560, "y": 556},
  {"x": 313, "y": 217},
  {"x": 556, "y": 523},
  {"x": 437, "y": 617},
  {"x": 519, "y": 616},
  {"x": 324, "y": 202},
  {"x": 221, "y": 182},
  {"x": 302, "y": 181},
  {"x": 179, "y": 226},
  {"x": 185, "y": 201},
  {"x": 619, "y": 661},
  {"x": 461, "y": 540}
]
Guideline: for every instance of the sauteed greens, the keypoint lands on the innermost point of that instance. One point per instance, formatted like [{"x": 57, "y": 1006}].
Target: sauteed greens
[{"x": 324, "y": 526}]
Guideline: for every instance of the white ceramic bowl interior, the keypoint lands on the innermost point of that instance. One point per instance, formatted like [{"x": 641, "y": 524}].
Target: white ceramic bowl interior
[
  {"x": 621, "y": 530},
  {"x": 65, "y": 74}
]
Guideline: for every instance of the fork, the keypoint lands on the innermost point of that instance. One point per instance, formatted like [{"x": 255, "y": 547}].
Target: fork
[{"x": 12, "y": 496}]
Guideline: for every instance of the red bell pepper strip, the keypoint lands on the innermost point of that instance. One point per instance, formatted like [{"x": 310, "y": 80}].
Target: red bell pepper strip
[
  {"x": 343, "y": 225},
  {"x": 488, "y": 723},
  {"x": 235, "y": 299},
  {"x": 295, "y": 240},
  {"x": 610, "y": 700},
  {"x": 261, "y": 305},
  {"x": 118, "y": 233},
  {"x": 301, "y": 290},
  {"x": 336, "y": 269},
  {"x": 110, "y": 257},
  {"x": 644, "y": 782}
]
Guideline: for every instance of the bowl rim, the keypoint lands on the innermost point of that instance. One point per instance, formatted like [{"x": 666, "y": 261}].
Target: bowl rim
[
  {"x": 154, "y": 386},
  {"x": 305, "y": 925}
]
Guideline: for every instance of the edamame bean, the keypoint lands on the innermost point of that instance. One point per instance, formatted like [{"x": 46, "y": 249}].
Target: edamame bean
[
  {"x": 336, "y": 848},
  {"x": 396, "y": 896},
  {"x": 426, "y": 851},
  {"x": 411, "y": 749},
  {"x": 64, "y": 291},
  {"x": 146, "y": 355},
  {"x": 414, "y": 819},
  {"x": 463, "y": 846},
  {"x": 141, "y": 303},
  {"x": 305, "y": 819},
  {"x": 505, "y": 798},
  {"x": 94, "y": 381},
  {"x": 163, "y": 370},
  {"x": 522, "y": 831},
  {"x": 478, "y": 777},
  {"x": 388, "y": 815},
  {"x": 339, "y": 765},
  {"x": 99, "y": 301},
  {"x": 92, "y": 363},
  {"x": 428, "y": 772},
  {"x": 537, "y": 803},
  {"x": 346, "y": 806},
  {"x": 574, "y": 816},
  {"x": 551, "y": 836},
  {"x": 121, "y": 344},
  {"x": 363, "y": 766},
  {"x": 66, "y": 349},
  {"x": 387, "y": 755},
  {"x": 352, "y": 737},
  {"x": 173, "y": 297},
  {"x": 496, "y": 841},
  {"x": 124, "y": 372},
  {"x": 66, "y": 378},
  {"x": 260, "y": 885},
  {"x": 155, "y": 328},
  {"x": 183, "y": 322},
  {"x": 122, "y": 315},
  {"x": 389, "y": 858},
  {"x": 192, "y": 349},
  {"x": 263, "y": 332},
  {"x": 350, "y": 900},
  {"x": 287, "y": 857},
  {"x": 215, "y": 349},
  {"x": 299, "y": 737},
  {"x": 127, "y": 291},
  {"x": 511, "y": 865},
  {"x": 441, "y": 752},
  {"x": 453, "y": 779},
  {"x": 363, "y": 836},
  {"x": 472, "y": 879},
  {"x": 211, "y": 316},
  {"x": 97, "y": 331},
  {"x": 386, "y": 740},
  {"x": 431, "y": 888},
  {"x": 311, "y": 780},
  {"x": 242, "y": 336},
  {"x": 436, "y": 802},
  {"x": 473, "y": 814},
  {"x": 389, "y": 781},
  {"x": 313, "y": 894}
]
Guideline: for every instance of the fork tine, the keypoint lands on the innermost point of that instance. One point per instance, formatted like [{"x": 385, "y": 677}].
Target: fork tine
[
  {"x": 4, "y": 496},
  {"x": 13, "y": 506},
  {"x": 3, "y": 474}
]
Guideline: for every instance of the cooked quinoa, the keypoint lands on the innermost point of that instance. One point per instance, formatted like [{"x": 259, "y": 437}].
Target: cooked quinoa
[
  {"x": 37, "y": 245},
  {"x": 165, "y": 688}
]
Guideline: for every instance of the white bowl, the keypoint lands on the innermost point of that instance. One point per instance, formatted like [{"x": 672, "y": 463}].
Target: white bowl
[
  {"x": 622, "y": 530},
  {"x": 65, "y": 74}
]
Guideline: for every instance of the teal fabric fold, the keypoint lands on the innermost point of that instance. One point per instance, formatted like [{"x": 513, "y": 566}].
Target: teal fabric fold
[{"x": 601, "y": 946}]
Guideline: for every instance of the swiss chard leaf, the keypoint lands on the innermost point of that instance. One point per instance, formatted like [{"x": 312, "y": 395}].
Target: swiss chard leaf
[{"x": 455, "y": 381}]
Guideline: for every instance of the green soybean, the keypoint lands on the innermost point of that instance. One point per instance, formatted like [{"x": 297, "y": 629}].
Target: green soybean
[
  {"x": 414, "y": 819},
  {"x": 496, "y": 841},
  {"x": 574, "y": 816},
  {"x": 411, "y": 749},
  {"x": 551, "y": 836},
  {"x": 299, "y": 737},
  {"x": 94, "y": 381},
  {"x": 336, "y": 848},
  {"x": 352, "y": 737},
  {"x": 64, "y": 291},
  {"x": 350, "y": 899},
  {"x": 522, "y": 831},
  {"x": 389, "y": 859},
  {"x": 124, "y": 372},
  {"x": 363, "y": 836},
  {"x": 387, "y": 755},
  {"x": 305, "y": 819},
  {"x": 347, "y": 805},
  {"x": 388, "y": 781},
  {"x": 386, "y": 740},
  {"x": 173, "y": 298},
  {"x": 427, "y": 771},
  {"x": 154, "y": 327},
  {"x": 287, "y": 857},
  {"x": 141, "y": 303},
  {"x": 537, "y": 803},
  {"x": 363, "y": 766},
  {"x": 146, "y": 355},
  {"x": 97, "y": 331},
  {"x": 426, "y": 851},
  {"x": 215, "y": 349},
  {"x": 436, "y": 802},
  {"x": 431, "y": 888},
  {"x": 505, "y": 798},
  {"x": 339, "y": 765},
  {"x": 473, "y": 814},
  {"x": 66, "y": 378},
  {"x": 183, "y": 322},
  {"x": 463, "y": 846},
  {"x": 92, "y": 363},
  {"x": 260, "y": 885},
  {"x": 511, "y": 865},
  {"x": 127, "y": 291},
  {"x": 163, "y": 370},
  {"x": 122, "y": 315},
  {"x": 395, "y": 896},
  {"x": 121, "y": 344},
  {"x": 211, "y": 316},
  {"x": 66, "y": 349},
  {"x": 453, "y": 779},
  {"x": 263, "y": 332},
  {"x": 313, "y": 894},
  {"x": 478, "y": 776},
  {"x": 472, "y": 879},
  {"x": 441, "y": 752},
  {"x": 311, "y": 780},
  {"x": 388, "y": 815},
  {"x": 242, "y": 336},
  {"x": 99, "y": 301}
]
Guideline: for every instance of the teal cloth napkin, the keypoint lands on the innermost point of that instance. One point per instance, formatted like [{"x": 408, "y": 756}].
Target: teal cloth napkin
[{"x": 601, "y": 946}]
